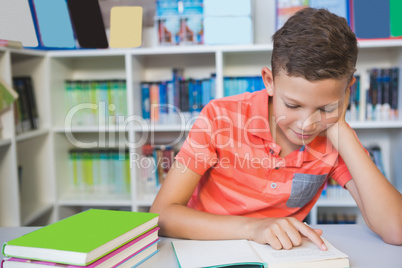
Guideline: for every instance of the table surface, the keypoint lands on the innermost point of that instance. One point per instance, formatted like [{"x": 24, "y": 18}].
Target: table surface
[{"x": 364, "y": 248}]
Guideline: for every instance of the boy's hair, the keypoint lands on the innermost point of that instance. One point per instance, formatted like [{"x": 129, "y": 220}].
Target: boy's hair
[{"x": 315, "y": 44}]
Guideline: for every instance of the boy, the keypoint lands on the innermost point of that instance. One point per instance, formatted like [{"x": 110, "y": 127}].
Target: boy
[{"x": 254, "y": 164}]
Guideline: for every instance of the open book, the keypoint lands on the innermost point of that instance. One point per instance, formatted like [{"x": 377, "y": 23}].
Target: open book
[{"x": 223, "y": 253}]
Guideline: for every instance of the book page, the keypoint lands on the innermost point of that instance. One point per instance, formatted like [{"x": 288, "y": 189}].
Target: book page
[
  {"x": 306, "y": 252},
  {"x": 198, "y": 253}
]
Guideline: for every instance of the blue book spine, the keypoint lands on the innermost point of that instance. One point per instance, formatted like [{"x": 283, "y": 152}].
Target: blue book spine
[
  {"x": 146, "y": 104},
  {"x": 163, "y": 109}
]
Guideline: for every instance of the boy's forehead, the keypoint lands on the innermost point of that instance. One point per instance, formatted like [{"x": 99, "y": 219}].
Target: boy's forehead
[{"x": 297, "y": 87}]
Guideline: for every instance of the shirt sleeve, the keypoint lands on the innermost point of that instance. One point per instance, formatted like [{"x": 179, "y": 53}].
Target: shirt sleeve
[
  {"x": 340, "y": 172},
  {"x": 198, "y": 151}
]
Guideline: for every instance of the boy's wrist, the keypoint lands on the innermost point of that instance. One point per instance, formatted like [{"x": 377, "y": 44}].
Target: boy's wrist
[{"x": 334, "y": 132}]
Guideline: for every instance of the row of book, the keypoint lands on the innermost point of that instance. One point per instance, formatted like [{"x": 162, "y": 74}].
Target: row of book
[
  {"x": 336, "y": 218},
  {"x": 367, "y": 18},
  {"x": 382, "y": 95},
  {"x": 333, "y": 190},
  {"x": 240, "y": 84},
  {"x": 179, "y": 22},
  {"x": 155, "y": 163},
  {"x": 171, "y": 102},
  {"x": 91, "y": 102},
  {"x": 99, "y": 171},
  {"x": 381, "y": 92},
  {"x": 92, "y": 238},
  {"x": 26, "y": 111}
]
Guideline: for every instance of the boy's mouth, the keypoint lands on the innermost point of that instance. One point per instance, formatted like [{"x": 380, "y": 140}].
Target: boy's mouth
[{"x": 303, "y": 136}]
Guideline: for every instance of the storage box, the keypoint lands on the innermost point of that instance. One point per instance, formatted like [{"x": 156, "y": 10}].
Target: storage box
[{"x": 228, "y": 30}]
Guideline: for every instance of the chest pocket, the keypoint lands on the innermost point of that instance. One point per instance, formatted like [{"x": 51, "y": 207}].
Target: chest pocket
[{"x": 304, "y": 188}]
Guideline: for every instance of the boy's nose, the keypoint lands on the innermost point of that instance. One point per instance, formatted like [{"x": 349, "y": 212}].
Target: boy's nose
[{"x": 309, "y": 123}]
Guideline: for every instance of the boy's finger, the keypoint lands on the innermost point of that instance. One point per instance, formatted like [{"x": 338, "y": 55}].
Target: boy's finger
[
  {"x": 318, "y": 231},
  {"x": 311, "y": 234}
]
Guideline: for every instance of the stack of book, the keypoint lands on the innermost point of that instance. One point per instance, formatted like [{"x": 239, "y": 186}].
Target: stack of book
[{"x": 93, "y": 238}]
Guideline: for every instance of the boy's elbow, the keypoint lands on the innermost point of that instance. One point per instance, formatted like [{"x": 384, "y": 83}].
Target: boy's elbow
[{"x": 393, "y": 234}]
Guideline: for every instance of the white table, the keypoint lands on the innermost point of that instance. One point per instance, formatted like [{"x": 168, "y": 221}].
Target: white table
[{"x": 364, "y": 248}]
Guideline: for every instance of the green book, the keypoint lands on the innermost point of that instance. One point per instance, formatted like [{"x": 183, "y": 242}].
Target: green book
[
  {"x": 82, "y": 238},
  {"x": 395, "y": 18}
]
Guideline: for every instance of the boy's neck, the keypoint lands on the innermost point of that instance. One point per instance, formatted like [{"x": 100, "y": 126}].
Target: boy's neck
[{"x": 277, "y": 134}]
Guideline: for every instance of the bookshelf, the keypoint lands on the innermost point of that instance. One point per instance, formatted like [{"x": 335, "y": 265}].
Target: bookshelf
[{"x": 42, "y": 194}]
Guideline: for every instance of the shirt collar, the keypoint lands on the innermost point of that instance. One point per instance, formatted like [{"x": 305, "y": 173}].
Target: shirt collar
[{"x": 258, "y": 114}]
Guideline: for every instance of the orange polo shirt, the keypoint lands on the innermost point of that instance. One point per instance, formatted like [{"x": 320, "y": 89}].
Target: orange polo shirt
[{"x": 231, "y": 146}]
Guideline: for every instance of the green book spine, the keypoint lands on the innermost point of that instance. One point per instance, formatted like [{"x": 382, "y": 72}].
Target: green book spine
[
  {"x": 88, "y": 171},
  {"x": 395, "y": 17}
]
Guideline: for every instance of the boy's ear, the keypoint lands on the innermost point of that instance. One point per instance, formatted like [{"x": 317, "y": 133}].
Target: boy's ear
[
  {"x": 352, "y": 81},
  {"x": 268, "y": 79}
]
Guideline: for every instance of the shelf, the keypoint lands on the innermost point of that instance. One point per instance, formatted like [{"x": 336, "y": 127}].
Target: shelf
[
  {"x": 376, "y": 124},
  {"x": 144, "y": 203},
  {"x": 336, "y": 202},
  {"x": 34, "y": 211},
  {"x": 176, "y": 50},
  {"x": 88, "y": 199},
  {"x": 92, "y": 129},
  {"x": 5, "y": 142},
  {"x": 162, "y": 128},
  {"x": 379, "y": 43},
  {"x": 31, "y": 134}
]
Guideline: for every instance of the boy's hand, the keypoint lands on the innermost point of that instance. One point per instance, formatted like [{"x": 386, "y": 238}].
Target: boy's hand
[
  {"x": 284, "y": 233},
  {"x": 333, "y": 130}
]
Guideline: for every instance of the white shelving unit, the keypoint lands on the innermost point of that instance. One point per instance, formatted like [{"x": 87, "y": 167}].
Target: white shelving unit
[{"x": 42, "y": 195}]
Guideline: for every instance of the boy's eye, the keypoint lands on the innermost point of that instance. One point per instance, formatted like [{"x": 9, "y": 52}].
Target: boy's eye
[
  {"x": 328, "y": 110},
  {"x": 291, "y": 106}
]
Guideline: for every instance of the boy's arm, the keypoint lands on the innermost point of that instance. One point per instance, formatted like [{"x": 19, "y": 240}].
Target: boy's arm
[
  {"x": 178, "y": 220},
  {"x": 378, "y": 200}
]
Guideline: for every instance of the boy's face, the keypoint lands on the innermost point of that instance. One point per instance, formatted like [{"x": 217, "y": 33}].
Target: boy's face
[{"x": 304, "y": 109}]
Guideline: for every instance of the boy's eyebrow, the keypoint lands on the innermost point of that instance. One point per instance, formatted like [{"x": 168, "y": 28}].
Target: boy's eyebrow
[{"x": 329, "y": 105}]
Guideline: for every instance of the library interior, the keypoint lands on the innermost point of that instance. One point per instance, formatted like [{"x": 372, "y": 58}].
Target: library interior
[{"x": 94, "y": 111}]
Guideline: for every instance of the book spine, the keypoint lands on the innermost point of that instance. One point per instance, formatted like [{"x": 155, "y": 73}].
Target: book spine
[{"x": 145, "y": 100}]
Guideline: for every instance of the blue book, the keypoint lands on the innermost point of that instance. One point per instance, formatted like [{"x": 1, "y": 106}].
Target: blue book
[
  {"x": 371, "y": 18},
  {"x": 338, "y": 7},
  {"x": 163, "y": 108},
  {"x": 53, "y": 23},
  {"x": 145, "y": 101},
  {"x": 206, "y": 91}
]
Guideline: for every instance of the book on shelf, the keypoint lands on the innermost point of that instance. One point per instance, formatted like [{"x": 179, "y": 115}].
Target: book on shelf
[
  {"x": 107, "y": 97},
  {"x": 371, "y": 18},
  {"x": 179, "y": 22},
  {"x": 27, "y": 116},
  {"x": 382, "y": 94},
  {"x": 336, "y": 218},
  {"x": 83, "y": 238},
  {"x": 131, "y": 253},
  {"x": 99, "y": 171},
  {"x": 240, "y": 84},
  {"x": 7, "y": 95},
  {"x": 223, "y": 253},
  {"x": 374, "y": 96},
  {"x": 155, "y": 161},
  {"x": 368, "y": 19},
  {"x": 171, "y": 102},
  {"x": 376, "y": 157}
]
